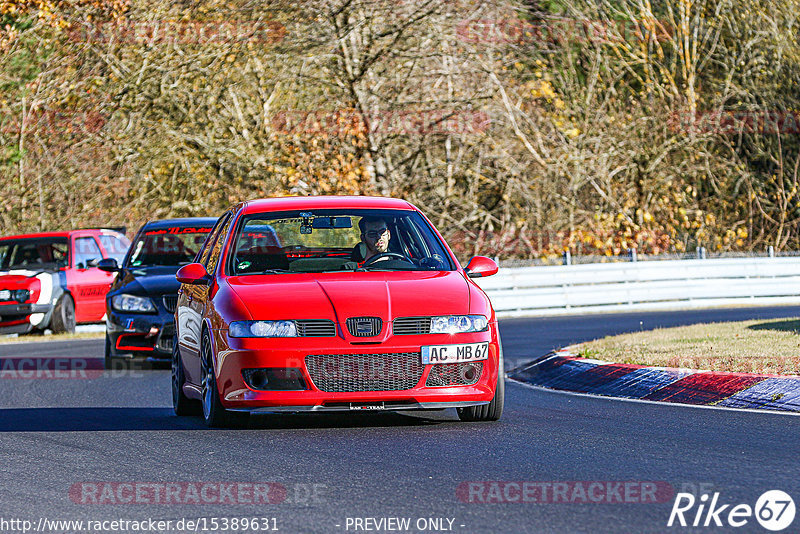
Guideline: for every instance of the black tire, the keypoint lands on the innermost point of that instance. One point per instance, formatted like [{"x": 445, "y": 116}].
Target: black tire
[
  {"x": 214, "y": 413},
  {"x": 181, "y": 404},
  {"x": 107, "y": 361},
  {"x": 63, "y": 320},
  {"x": 493, "y": 410}
]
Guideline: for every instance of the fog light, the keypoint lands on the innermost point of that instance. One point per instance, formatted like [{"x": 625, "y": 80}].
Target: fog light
[
  {"x": 468, "y": 373},
  {"x": 274, "y": 379},
  {"x": 259, "y": 380},
  {"x": 454, "y": 374}
]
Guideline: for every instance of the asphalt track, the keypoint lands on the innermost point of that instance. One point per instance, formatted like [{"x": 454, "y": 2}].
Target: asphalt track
[{"x": 56, "y": 434}]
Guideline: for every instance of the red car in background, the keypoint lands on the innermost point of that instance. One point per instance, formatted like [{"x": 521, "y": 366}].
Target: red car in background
[
  {"x": 51, "y": 280},
  {"x": 330, "y": 304}
]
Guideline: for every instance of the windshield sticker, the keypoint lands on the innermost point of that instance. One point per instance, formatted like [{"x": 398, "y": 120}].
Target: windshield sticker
[{"x": 178, "y": 231}]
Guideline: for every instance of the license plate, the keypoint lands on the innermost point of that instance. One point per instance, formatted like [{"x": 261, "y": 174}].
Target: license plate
[
  {"x": 5, "y": 294},
  {"x": 468, "y": 352}
]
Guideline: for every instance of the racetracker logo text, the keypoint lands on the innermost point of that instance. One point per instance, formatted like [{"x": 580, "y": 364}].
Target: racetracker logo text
[
  {"x": 774, "y": 510},
  {"x": 567, "y": 492},
  {"x": 177, "y": 493},
  {"x": 51, "y": 368}
]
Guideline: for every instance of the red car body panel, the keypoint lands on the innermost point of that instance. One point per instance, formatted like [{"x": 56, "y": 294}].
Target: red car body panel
[
  {"x": 86, "y": 285},
  {"x": 333, "y": 296},
  {"x": 396, "y": 294},
  {"x": 18, "y": 281}
]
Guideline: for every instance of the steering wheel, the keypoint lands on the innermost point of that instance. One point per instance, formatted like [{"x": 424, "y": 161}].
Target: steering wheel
[{"x": 380, "y": 255}]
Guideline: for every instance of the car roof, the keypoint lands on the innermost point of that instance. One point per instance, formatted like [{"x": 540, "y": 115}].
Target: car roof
[
  {"x": 66, "y": 234},
  {"x": 205, "y": 222},
  {"x": 325, "y": 202}
]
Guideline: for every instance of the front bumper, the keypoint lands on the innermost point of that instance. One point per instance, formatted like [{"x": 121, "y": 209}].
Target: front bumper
[
  {"x": 349, "y": 407},
  {"x": 234, "y": 355},
  {"x": 146, "y": 336},
  {"x": 22, "y": 318}
]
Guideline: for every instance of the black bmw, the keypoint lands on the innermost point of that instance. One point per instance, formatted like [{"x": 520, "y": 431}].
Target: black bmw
[{"x": 141, "y": 304}]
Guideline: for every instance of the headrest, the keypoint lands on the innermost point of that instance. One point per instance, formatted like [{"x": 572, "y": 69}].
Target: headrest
[{"x": 359, "y": 253}]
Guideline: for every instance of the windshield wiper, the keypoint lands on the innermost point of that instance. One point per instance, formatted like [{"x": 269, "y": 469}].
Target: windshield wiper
[
  {"x": 376, "y": 269},
  {"x": 275, "y": 271}
]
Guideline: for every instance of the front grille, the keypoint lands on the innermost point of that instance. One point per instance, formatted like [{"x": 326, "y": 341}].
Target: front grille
[
  {"x": 134, "y": 341},
  {"x": 407, "y": 326},
  {"x": 364, "y": 326},
  {"x": 165, "y": 339},
  {"x": 165, "y": 343},
  {"x": 316, "y": 328},
  {"x": 454, "y": 374},
  {"x": 365, "y": 372},
  {"x": 170, "y": 302}
]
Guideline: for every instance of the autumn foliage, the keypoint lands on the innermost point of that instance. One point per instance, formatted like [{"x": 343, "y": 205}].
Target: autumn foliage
[{"x": 522, "y": 129}]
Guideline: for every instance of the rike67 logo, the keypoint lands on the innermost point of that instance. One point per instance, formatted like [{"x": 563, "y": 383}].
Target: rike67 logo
[{"x": 774, "y": 510}]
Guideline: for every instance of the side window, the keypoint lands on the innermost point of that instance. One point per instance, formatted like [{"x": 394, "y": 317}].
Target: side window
[
  {"x": 87, "y": 253},
  {"x": 216, "y": 249},
  {"x": 209, "y": 244},
  {"x": 115, "y": 247}
]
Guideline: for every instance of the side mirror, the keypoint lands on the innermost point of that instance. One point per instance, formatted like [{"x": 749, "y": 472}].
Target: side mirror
[
  {"x": 193, "y": 274},
  {"x": 481, "y": 266},
  {"x": 108, "y": 265}
]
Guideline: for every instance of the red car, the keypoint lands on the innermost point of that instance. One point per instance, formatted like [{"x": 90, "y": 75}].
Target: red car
[
  {"x": 333, "y": 303},
  {"x": 51, "y": 280}
]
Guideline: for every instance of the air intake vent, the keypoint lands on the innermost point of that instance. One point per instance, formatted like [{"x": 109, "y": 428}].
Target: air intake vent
[
  {"x": 365, "y": 372},
  {"x": 409, "y": 326},
  {"x": 316, "y": 328},
  {"x": 454, "y": 374},
  {"x": 364, "y": 326}
]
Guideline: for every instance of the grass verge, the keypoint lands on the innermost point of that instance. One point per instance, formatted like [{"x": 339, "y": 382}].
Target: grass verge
[
  {"x": 761, "y": 346},
  {"x": 36, "y": 338}
]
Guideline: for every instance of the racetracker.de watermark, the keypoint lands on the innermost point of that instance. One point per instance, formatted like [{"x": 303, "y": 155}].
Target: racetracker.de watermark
[
  {"x": 52, "y": 122},
  {"x": 51, "y": 368},
  {"x": 764, "y": 122},
  {"x": 189, "y": 493},
  {"x": 560, "y": 30},
  {"x": 565, "y": 492},
  {"x": 397, "y": 122},
  {"x": 153, "y": 32}
]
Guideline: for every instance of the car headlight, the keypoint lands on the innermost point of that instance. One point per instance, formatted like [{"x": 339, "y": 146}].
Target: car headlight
[
  {"x": 132, "y": 304},
  {"x": 457, "y": 324},
  {"x": 21, "y": 295},
  {"x": 262, "y": 329}
]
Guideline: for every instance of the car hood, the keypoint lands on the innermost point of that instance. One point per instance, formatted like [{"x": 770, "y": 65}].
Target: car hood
[
  {"x": 19, "y": 279},
  {"x": 21, "y": 274},
  {"x": 15, "y": 278},
  {"x": 159, "y": 281},
  {"x": 337, "y": 296}
]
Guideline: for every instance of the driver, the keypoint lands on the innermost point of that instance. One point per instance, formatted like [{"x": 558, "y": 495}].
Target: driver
[{"x": 375, "y": 235}]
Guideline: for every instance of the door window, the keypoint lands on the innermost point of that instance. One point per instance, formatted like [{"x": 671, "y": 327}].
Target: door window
[
  {"x": 87, "y": 253},
  {"x": 209, "y": 244},
  {"x": 115, "y": 247},
  {"x": 216, "y": 249}
]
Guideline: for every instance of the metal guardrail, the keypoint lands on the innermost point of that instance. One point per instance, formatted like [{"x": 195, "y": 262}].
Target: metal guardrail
[{"x": 603, "y": 287}]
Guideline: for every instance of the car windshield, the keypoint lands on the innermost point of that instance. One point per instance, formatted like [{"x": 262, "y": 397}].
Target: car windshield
[
  {"x": 166, "y": 247},
  {"x": 34, "y": 254},
  {"x": 336, "y": 240}
]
